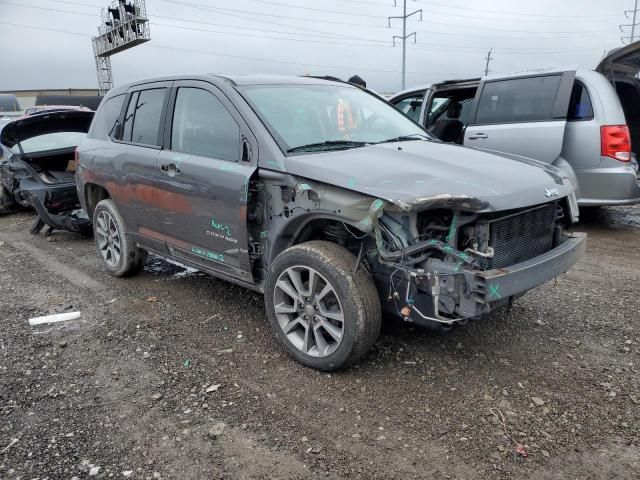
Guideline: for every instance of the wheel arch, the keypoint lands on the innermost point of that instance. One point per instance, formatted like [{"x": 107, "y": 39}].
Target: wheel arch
[
  {"x": 93, "y": 194},
  {"x": 304, "y": 228}
]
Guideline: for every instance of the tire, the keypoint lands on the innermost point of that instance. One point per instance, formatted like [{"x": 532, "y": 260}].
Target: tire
[
  {"x": 310, "y": 329},
  {"x": 119, "y": 254}
]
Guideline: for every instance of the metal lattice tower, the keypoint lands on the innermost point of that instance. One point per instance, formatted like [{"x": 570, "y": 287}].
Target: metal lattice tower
[
  {"x": 633, "y": 25},
  {"x": 124, "y": 25}
]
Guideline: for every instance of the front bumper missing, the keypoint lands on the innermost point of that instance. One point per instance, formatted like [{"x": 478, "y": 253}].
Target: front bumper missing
[
  {"x": 494, "y": 285},
  {"x": 475, "y": 292}
]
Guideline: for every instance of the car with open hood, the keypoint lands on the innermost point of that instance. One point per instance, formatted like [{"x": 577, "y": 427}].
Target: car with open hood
[
  {"x": 37, "y": 167},
  {"x": 324, "y": 198},
  {"x": 586, "y": 123}
]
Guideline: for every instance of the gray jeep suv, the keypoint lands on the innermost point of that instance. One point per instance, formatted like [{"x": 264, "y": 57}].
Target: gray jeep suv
[{"x": 324, "y": 198}]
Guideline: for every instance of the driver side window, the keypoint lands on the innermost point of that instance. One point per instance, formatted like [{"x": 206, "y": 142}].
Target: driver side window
[{"x": 203, "y": 126}]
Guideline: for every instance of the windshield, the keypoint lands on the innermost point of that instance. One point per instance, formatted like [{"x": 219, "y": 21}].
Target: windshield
[
  {"x": 332, "y": 116},
  {"x": 50, "y": 141}
]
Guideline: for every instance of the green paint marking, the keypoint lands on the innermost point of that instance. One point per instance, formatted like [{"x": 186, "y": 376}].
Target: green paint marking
[
  {"x": 229, "y": 167},
  {"x": 186, "y": 363},
  {"x": 263, "y": 234},
  {"x": 459, "y": 266},
  {"x": 351, "y": 182},
  {"x": 377, "y": 204},
  {"x": 448, "y": 249},
  {"x": 208, "y": 254},
  {"x": 452, "y": 230},
  {"x": 494, "y": 291},
  {"x": 221, "y": 226}
]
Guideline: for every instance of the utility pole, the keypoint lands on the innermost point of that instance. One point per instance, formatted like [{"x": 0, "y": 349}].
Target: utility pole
[
  {"x": 404, "y": 36},
  {"x": 632, "y": 25},
  {"x": 488, "y": 59}
]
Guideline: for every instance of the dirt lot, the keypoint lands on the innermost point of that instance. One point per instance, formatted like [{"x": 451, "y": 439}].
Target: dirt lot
[{"x": 174, "y": 374}]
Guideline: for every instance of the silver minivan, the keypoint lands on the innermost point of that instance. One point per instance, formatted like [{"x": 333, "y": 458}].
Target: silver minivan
[{"x": 587, "y": 123}]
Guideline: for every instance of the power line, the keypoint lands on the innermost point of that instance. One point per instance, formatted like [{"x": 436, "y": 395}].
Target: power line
[
  {"x": 242, "y": 57},
  {"x": 519, "y": 14},
  {"x": 334, "y": 22},
  {"x": 327, "y": 34}
]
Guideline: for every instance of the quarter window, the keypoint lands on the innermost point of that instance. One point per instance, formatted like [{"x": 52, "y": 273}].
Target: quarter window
[
  {"x": 110, "y": 113},
  {"x": 519, "y": 100},
  {"x": 203, "y": 126},
  {"x": 580, "y": 107}
]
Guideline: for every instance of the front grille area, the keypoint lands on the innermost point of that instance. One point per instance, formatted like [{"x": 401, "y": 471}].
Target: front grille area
[{"x": 522, "y": 236}]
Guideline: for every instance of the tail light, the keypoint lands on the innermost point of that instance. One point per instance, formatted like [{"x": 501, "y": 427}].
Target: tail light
[{"x": 616, "y": 142}]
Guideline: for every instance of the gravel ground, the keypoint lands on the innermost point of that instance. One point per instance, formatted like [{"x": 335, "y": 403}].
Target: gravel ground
[{"x": 174, "y": 374}]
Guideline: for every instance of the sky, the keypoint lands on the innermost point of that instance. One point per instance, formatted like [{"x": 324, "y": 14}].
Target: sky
[{"x": 47, "y": 43}]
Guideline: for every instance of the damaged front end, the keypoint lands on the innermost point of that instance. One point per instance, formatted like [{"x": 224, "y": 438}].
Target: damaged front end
[
  {"x": 436, "y": 261},
  {"x": 445, "y": 260}
]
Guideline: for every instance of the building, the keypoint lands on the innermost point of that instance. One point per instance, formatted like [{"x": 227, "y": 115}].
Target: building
[{"x": 27, "y": 98}]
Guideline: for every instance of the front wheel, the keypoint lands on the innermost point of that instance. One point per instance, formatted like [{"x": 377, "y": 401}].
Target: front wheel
[
  {"x": 120, "y": 256},
  {"x": 321, "y": 313}
]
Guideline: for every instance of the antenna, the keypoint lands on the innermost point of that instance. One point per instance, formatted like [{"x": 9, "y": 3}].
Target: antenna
[{"x": 124, "y": 24}]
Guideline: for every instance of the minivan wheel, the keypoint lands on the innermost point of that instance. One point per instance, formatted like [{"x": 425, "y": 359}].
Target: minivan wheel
[
  {"x": 321, "y": 313},
  {"x": 119, "y": 254}
]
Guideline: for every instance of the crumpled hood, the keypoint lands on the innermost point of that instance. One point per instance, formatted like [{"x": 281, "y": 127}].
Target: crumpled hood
[
  {"x": 419, "y": 174},
  {"x": 38, "y": 124}
]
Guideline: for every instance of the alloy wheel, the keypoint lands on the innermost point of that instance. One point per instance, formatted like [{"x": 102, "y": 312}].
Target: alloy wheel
[
  {"x": 108, "y": 239},
  {"x": 309, "y": 311}
]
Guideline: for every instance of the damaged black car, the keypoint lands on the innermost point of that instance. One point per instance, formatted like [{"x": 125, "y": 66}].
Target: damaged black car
[{"x": 37, "y": 168}]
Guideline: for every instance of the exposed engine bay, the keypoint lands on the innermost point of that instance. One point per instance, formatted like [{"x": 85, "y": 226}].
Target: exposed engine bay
[{"x": 436, "y": 265}]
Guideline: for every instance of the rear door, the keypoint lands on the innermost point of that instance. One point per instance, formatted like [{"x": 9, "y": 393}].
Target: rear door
[
  {"x": 133, "y": 163},
  {"x": 203, "y": 177},
  {"x": 523, "y": 115}
]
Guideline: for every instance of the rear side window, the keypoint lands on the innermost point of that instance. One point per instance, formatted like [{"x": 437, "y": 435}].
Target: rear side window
[
  {"x": 203, "y": 126},
  {"x": 411, "y": 106},
  {"x": 580, "y": 107},
  {"x": 142, "y": 120},
  {"x": 107, "y": 117},
  {"x": 519, "y": 100}
]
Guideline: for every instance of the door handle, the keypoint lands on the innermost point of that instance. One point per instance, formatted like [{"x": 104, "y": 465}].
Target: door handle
[
  {"x": 170, "y": 168},
  {"x": 478, "y": 136}
]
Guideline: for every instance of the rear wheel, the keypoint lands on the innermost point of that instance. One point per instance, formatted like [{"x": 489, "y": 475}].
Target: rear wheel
[
  {"x": 120, "y": 256},
  {"x": 322, "y": 314}
]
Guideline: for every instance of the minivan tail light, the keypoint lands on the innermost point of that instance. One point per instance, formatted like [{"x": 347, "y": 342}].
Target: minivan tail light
[{"x": 616, "y": 142}]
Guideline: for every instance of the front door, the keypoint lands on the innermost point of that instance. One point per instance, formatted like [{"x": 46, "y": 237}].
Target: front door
[
  {"x": 203, "y": 178},
  {"x": 524, "y": 116}
]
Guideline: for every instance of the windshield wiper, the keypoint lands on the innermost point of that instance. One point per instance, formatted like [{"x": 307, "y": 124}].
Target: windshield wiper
[
  {"x": 407, "y": 138},
  {"x": 327, "y": 145}
]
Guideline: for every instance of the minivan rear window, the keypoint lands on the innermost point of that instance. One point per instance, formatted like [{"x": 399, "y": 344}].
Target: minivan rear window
[{"x": 528, "y": 99}]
